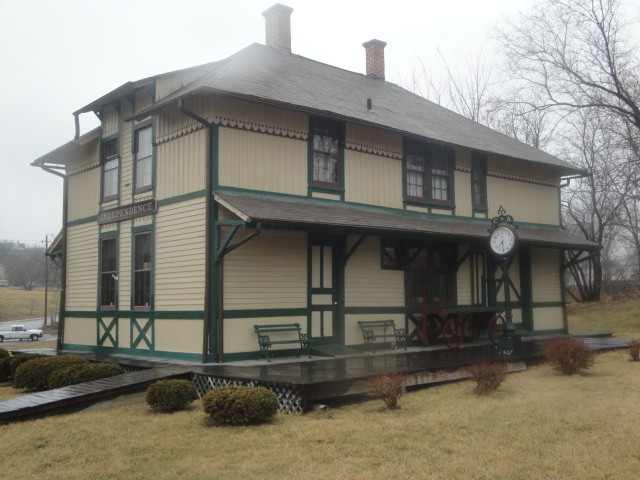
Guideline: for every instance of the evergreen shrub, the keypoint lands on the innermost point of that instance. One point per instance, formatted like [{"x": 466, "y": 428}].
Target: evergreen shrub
[
  {"x": 34, "y": 375},
  {"x": 634, "y": 350},
  {"x": 389, "y": 388},
  {"x": 5, "y": 369},
  {"x": 568, "y": 355},
  {"x": 15, "y": 360},
  {"x": 488, "y": 376},
  {"x": 171, "y": 395},
  {"x": 236, "y": 405},
  {"x": 83, "y": 372}
]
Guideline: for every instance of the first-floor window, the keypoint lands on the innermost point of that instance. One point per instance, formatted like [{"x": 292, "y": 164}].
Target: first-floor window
[
  {"x": 108, "y": 273},
  {"x": 142, "y": 271}
]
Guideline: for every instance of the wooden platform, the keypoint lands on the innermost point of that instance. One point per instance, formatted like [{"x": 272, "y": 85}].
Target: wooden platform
[
  {"x": 296, "y": 381},
  {"x": 82, "y": 395}
]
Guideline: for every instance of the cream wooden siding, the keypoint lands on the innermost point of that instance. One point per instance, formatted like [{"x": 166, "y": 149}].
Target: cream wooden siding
[
  {"x": 180, "y": 256},
  {"x": 126, "y": 158},
  {"x": 143, "y": 99},
  {"x": 124, "y": 332},
  {"x": 82, "y": 267},
  {"x": 372, "y": 179},
  {"x": 183, "y": 336},
  {"x": 110, "y": 121},
  {"x": 463, "y": 201},
  {"x": 262, "y": 162},
  {"x": 125, "y": 291},
  {"x": 366, "y": 284},
  {"x": 545, "y": 266},
  {"x": 270, "y": 271},
  {"x": 170, "y": 82},
  {"x": 232, "y": 113},
  {"x": 239, "y": 335},
  {"x": 526, "y": 202},
  {"x": 548, "y": 319},
  {"x": 84, "y": 194},
  {"x": 181, "y": 165},
  {"x": 80, "y": 331},
  {"x": 463, "y": 277}
]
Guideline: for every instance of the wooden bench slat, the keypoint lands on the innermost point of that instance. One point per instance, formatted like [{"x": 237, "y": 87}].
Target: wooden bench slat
[
  {"x": 265, "y": 342},
  {"x": 371, "y": 332}
]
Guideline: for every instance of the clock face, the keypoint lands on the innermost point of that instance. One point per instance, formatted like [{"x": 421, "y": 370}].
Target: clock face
[{"x": 502, "y": 240}]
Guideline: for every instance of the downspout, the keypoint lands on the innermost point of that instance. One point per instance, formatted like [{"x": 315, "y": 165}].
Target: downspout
[
  {"x": 63, "y": 270},
  {"x": 206, "y": 348}
]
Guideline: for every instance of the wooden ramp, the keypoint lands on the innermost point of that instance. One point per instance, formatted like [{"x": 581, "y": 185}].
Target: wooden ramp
[{"x": 82, "y": 395}]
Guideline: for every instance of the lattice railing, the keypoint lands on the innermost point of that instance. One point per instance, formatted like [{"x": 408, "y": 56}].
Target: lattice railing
[{"x": 289, "y": 396}]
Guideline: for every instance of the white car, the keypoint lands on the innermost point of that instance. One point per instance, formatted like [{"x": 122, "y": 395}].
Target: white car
[
  {"x": 20, "y": 332},
  {"x": 4, "y": 283}
]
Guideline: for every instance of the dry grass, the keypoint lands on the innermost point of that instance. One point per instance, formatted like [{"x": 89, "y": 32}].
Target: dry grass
[
  {"x": 16, "y": 303},
  {"x": 621, "y": 317},
  {"x": 538, "y": 425}
]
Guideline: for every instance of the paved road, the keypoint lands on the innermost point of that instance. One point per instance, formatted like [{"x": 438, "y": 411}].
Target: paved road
[{"x": 29, "y": 323}]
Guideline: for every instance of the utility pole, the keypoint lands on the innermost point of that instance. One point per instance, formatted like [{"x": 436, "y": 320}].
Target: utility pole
[{"x": 46, "y": 276}]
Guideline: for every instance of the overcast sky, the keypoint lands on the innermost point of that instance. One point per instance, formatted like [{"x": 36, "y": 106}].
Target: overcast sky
[{"x": 58, "y": 55}]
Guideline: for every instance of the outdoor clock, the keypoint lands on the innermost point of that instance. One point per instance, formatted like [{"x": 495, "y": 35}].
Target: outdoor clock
[{"x": 502, "y": 240}]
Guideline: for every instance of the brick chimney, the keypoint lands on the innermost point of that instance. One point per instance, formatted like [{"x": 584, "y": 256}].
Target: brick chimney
[
  {"x": 278, "y": 27},
  {"x": 375, "y": 58}
]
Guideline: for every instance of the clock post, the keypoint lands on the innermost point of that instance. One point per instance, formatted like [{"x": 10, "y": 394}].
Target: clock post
[{"x": 503, "y": 239}]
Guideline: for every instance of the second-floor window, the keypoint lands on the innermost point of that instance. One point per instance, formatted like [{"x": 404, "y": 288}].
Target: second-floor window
[
  {"x": 429, "y": 173},
  {"x": 479, "y": 181},
  {"x": 108, "y": 273},
  {"x": 327, "y": 154},
  {"x": 143, "y": 159},
  {"x": 142, "y": 271},
  {"x": 110, "y": 170}
]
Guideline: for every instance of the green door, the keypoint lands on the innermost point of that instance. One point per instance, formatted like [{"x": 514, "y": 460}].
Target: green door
[{"x": 326, "y": 325}]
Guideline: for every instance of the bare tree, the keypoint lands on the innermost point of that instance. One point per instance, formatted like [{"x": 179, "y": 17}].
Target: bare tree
[
  {"x": 592, "y": 204},
  {"x": 577, "y": 53},
  {"x": 464, "y": 87}
]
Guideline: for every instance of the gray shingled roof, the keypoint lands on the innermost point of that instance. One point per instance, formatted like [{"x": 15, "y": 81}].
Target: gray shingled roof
[
  {"x": 267, "y": 75},
  {"x": 313, "y": 214}
]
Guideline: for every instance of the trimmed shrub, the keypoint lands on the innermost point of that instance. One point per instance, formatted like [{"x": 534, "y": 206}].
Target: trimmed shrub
[
  {"x": 568, "y": 355},
  {"x": 634, "y": 350},
  {"x": 236, "y": 405},
  {"x": 389, "y": 388},
  {"x": 488, "y": 376},
  {"x": 16, "y": 360},
  {"x": 4, "y": 353},
  {"x": 34, "y": 375},
  {"x": 5, "y": 369},
  {"x": 83, "y": 372},
  {"x": 171, "y": 395}
]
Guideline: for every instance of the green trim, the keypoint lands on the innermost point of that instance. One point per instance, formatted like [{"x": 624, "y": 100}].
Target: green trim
[
  {"x": 374, "y": 310},
  {"x": 526, "y": 286},
  {"x": 374, "y": 208},
  {"x": 135, "y": 314},
  {"x": 556, "y": 331},
  {"x": 558, "y": 304},
  {"x": 182, "y": 198},
  {"x": 82, "y": 221},
  {"x": 140, "y": 332},
  {"x": 258, "y": 355},
  {"x": 193, "y": 357},
  {"x": 266, "y": 313},
  {"x": 106, "y": 333}
]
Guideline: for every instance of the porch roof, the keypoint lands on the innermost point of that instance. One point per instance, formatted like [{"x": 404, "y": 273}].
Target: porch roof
[{"x": 328, "y": 215}]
